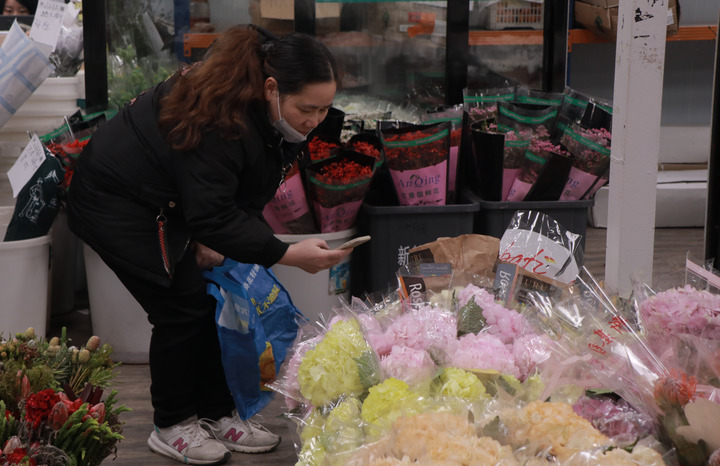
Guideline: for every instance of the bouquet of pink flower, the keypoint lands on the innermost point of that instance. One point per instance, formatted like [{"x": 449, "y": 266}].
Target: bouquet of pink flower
[
  {"x": 590, "y": 328},
  {"x": 542, "y": 158},
  {"x": 683, "y": 310},
  {"x": 591, "y": 148}
]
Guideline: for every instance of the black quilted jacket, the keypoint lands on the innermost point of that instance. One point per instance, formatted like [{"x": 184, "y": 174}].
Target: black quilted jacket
[{"x": 139, "y": 204}]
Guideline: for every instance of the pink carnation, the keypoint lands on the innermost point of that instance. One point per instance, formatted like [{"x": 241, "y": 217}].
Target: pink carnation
[
  {"x": 504, "y": 323},
  {"x": 482, "y": 351},
  {"x": 371, "y": 327},
  {"x": 529, "y": 350},
  {"x": 682, "y": 311},
  {"x": 420, "y": 329},
  {"x": 408, "y": 364}
]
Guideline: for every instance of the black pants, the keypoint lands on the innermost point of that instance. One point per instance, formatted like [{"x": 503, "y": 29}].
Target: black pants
[{"x": 185, "y": 365}]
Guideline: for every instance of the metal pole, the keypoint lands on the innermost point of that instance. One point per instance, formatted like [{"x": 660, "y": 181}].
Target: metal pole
[
  {"x": 712, "y": 217},
  {"x": 305, "y": 16},
  {"x": 94, "y": 46},
  {"x": 555, "y": 40},
  {"x": 457, "y": 50}
]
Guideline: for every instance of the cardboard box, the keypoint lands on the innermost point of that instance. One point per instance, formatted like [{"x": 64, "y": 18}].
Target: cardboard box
[
  {"x": 601, "y": 17},
  {"x": 681, "y": 200},
  {"x": 285, "y": 9}
]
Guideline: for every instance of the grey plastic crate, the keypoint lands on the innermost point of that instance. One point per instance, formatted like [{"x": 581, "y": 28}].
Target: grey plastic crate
[
  {"x": 395, "y": 230},
  {"x": 493, "y": 217}
]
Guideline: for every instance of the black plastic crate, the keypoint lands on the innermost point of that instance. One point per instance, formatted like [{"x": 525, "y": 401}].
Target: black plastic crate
[
  {"x": 493, "y": 217},
  {"x": 397, "y": 229}
]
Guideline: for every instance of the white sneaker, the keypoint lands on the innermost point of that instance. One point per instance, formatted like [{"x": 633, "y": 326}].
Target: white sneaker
[
  {"x": 189, "y": 443},
  {"x": 243, "y": 436}
]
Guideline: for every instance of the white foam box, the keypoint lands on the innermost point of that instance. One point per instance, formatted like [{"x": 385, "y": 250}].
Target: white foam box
[{"x": 681, "y": 200}]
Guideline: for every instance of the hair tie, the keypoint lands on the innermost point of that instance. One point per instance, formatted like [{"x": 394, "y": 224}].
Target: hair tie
[{"x": 267, "y": 46}]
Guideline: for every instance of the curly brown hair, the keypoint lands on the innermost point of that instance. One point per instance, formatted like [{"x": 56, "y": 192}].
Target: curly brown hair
[{"x": 215, "y": 94}]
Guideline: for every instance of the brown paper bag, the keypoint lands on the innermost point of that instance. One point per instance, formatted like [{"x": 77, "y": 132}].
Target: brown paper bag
[{"x": 471, "y": 256}]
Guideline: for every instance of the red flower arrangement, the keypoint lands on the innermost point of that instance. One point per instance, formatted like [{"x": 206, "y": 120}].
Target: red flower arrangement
[
  {"x": 343, "y": 173},
  {"x": 321, "y": 148},
  {"x": 423, "y": 149},
  {"x": 417, "y": 157},
  {"x": 364, "y": 147},
  {"x": 337, "y": 188}
]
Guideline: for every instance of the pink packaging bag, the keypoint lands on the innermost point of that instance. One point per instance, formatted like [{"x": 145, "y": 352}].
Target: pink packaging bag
[
  {"x": 277, "y": 226},
  {"x": 509, "y": 175},
  {"x": 337, "y": 218},
  {"x": 518, "y": 190},
  {"x": 579, "y": 183},
  {"x": 424, "y": 186},
  {"x": 289, "y": 202}
]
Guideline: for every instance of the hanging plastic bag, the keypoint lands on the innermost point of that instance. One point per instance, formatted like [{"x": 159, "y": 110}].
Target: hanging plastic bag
[
  {"x": 38, "y": 202},
  {"x": 257, "y": 324}
]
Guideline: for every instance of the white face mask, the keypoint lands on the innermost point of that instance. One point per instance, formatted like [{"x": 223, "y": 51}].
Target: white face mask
[{"x": 289, "y": 133}]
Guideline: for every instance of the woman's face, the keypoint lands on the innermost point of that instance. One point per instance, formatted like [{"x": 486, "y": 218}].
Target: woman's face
[
  {"x": 303, "y": 111},
  {"x": 12, "y": 7}
]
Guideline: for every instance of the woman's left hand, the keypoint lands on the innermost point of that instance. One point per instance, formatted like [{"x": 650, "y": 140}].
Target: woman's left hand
[{"x": 207, "y": 258}]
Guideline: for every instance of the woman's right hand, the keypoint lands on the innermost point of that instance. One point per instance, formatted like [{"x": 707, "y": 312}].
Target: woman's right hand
[{"x": 313, "y": 255}]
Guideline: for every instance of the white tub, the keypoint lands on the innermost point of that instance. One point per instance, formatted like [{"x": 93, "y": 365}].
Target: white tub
[
  {"x": 24, "y": 272},
  {"x": 116, "y": 316},
  {"x": 315, "y": 295}
]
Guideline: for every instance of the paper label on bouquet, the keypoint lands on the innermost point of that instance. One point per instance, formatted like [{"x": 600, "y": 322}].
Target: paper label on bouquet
[
  {"x": 578, "y": 183},
  {"x": 289, "y": 202},
  {"x": 538, "y": 254},
  {"x": 26, "y": 165},
  {"x": 518, "y": 190},
  {"x": 424, "y": 186},
  {"x": 509, "y": 175},
  {"x": 47, "y": 22},
  {"x": 338, "y": 218}
]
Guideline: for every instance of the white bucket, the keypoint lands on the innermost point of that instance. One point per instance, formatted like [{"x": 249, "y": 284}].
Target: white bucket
[
  {"x": 24, "y": 272},
  {"x": 45, "y": 109},
  {"x": 116, "y": 316},
  {"x": 315, "y": 295}
]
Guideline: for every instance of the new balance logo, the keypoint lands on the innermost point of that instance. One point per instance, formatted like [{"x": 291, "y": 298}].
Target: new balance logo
[
  {"x": 233, "y": 434},
  {"x": 180, "y": 444}
]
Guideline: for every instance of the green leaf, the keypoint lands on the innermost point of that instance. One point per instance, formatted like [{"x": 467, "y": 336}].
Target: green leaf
[
  {"x": 368, "y": 369},
  {"x": 470, "y": 318}
]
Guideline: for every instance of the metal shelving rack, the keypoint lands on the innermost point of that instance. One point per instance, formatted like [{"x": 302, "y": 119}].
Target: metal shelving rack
[{"x": 458, "y": 41}]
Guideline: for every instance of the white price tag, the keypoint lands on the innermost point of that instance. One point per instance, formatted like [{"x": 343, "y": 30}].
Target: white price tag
[
  {"x": 47, "y": 22},
  {"x": 26, "y": 165}
]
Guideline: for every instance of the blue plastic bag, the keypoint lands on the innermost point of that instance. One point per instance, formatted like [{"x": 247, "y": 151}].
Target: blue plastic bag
[{"x": 257, "y": 323}]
